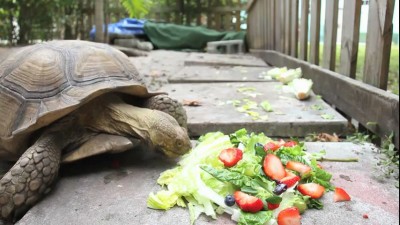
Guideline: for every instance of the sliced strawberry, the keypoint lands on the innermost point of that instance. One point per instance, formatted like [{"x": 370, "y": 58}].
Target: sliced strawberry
[
  {"x": 247, "y": 202},
  {"x": 230, "y": 156},
  {"x": 298, "y": 166},
  {"x": 289, "y": 216},
  {"x": 290, "y": 174},
  {"x": 311, "y": 189},
  {"x": 341, "y": 195},
  {"x": 273, "y": 167},
  {"x": 290, "y": 144},
  {"x": 290, "y": 180},
  {"x": 272, "y": 206},
  {"x": 273, "y": 146}
]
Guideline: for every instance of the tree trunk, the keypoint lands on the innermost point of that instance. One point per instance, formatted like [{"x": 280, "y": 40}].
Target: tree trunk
[{"x": 99, "y": 20}]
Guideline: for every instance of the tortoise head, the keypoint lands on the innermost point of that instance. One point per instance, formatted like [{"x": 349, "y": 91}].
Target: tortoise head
[{"x": 166, "y": 135}]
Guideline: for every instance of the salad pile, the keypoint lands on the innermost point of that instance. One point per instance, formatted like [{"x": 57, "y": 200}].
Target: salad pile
[{"x": 250, "y": 176}]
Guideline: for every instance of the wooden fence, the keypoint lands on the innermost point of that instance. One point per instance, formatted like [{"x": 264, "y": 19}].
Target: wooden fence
[
  {"x": 281, "y": 32},
  {"x": 201, "y": 13}
]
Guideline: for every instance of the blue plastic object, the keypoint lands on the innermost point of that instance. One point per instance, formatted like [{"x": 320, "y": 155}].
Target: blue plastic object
[{"x": 124, "y": 27}]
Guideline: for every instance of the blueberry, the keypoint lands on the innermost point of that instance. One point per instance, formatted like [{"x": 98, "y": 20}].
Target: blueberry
[
  {"x": 229, "y": 200},
  {"x": 280, "y": 188}
]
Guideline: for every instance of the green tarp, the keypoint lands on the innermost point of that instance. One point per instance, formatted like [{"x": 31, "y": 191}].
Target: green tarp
[{"x": 179, "y": 37}]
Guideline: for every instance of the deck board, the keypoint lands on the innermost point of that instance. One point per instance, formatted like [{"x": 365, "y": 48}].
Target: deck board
[
  {"x": 207, "y": 59},
  {"x": 91, "y": 192},
  {"x": 290, "y": 117},
  {"x": 196, "y": 74}
]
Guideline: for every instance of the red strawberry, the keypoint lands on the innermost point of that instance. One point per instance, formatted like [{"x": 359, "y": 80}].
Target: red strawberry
[
  {"x": 290, "y": 174},
  {"x": 247, "y": 202},
  {"x": 341, "y": 195},
  {"x": 290, "y": 144},
  {"x": 230, "y": 156},
  {"x": 311, "y": 189},
  {"x": 273, "y": 167},
  {"x": 298, "y": 166},
  {"x": 290, "y": 180},
  {"x": 273, "y": 146},
  {"x": 272, "y": 206},
  {"x": 289, "y": 216}
]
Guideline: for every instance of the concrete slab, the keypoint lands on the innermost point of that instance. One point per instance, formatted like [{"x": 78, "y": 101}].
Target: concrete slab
[
  {"x": 92, "y": 192},
  {"x": 197, "y": 74},
  {"x": 290, "y": 117},
  {"x": 207, "y": 59}
]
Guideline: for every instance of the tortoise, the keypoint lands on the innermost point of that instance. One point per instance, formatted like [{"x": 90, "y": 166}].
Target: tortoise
[{"x": 61, "y": 101}]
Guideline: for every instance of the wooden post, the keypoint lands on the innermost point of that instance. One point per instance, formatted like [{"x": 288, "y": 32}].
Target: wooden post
[
  {"x": 278, "y": 22},
  {"x": 288, "y": 18},
  {"x": 379, "y": 41},
  {"x": 99, "y": 20},
  {"x": 271, "y": 20},
  {"x": 315, "y": 31},
  {"x": 331, "y": 21},
  {"x": 294, "y": 28},
  {"x": 305, "y": 7},
  {"x": 350, "y": 37}
]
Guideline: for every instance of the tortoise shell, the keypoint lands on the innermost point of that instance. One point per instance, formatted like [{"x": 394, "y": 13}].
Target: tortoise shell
[{"x": 44, "y": 82}]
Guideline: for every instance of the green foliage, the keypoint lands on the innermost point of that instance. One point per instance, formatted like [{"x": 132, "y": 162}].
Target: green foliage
[
  {"x": 359, "y": 137},
  {"x": 136, "y": 8},
  {"x": 389, "y": 159}
]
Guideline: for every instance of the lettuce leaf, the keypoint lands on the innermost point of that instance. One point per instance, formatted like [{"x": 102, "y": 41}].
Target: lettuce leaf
[{"x": 259, "y": 218}]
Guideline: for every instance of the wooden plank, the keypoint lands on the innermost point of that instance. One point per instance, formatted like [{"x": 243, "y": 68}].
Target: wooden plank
[
  {"x": 198, "y": 74},
  {"x": 315, "y": 31},
  {"x": 278, "y": 22},
  {"x": 305, "y": 6},
  {"x": 272, "y": 28},
  {"x": 238, "y": 22},
  {"x": 291, "y": 117},
  {"x": 294, "y": 28},
  {"x": 207, "y": 59},
  {"x": 330, "y": 33},
  {"x": 281, "y": 27},
  {"x": 288, "y": 19},
  {"x": 250, "y": 5},
  {"x": 374, "y": 108},
  {"x": 378, "y": 44},
  {"x": 350, "y": 37},
  {"x": 93, "y": 192}
]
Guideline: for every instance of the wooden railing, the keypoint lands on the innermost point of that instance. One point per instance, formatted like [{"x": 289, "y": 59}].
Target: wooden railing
[
  {"x": 281, "y": 32},
  {"x": 201, "y": 13}
]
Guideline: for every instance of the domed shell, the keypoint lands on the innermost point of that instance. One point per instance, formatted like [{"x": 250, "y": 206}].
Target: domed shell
[{"x": 44, "y": 82}]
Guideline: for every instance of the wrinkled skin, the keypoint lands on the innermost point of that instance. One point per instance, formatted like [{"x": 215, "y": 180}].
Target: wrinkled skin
[{"x": 33, "y": 174}]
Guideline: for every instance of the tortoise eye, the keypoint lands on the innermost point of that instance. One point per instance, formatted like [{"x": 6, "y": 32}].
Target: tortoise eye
[{"x": 179, "y": 143}]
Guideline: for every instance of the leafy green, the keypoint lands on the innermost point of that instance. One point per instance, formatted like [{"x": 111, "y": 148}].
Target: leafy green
[
  {"x": 266, "y": 106},
  {"x": 200, "y": 182},
  {"x": 327, "y": 116},
  {"x": 259, "y": 218},
  {"x": 314, "y": 204}
]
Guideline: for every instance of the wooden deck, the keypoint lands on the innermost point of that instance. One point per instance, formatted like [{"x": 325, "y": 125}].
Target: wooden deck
[
  {"x": 225, "y": 84},
  {"x": 92, "y": 192}
]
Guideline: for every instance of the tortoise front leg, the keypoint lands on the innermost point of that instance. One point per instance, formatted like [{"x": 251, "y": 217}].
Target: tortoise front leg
[
  {"x": 30, "y": 177},
  {"x": 35, "y": 171},
  {"x": 168, "y": 105}
]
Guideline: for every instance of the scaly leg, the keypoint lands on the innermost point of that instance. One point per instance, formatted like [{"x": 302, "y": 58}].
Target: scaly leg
[
  {"x": 168, "y": 105},
  {"x": 33, "y": 174}
]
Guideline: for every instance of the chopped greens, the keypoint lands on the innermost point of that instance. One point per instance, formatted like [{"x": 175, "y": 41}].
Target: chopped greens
[{"x": 201, "y": 182}]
